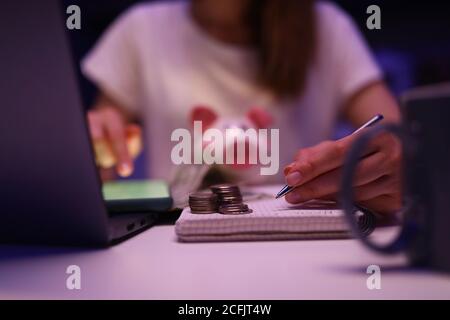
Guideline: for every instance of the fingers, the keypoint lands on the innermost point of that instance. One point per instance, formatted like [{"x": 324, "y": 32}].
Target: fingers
[
  {"x": 371, "y": 193},
  {"x": 384, "y": 204},
  {"x": 103, "y": 154},
  {"x": 315, "y": 161},
  {"x": 368, "y": 180},
  {"x": 385, "y": 185},
  {"x": 115, "y": 130},
  {"x": 133, "y": 130},
  {"x": 134, "y": 140},
  {"x": 95, "y": 125},
  {"x": 288, "y": 169},
  {"x": 317, "y": 171},
  {"x": 107, "y": 129},
  {"x": 369, "y": 169}
]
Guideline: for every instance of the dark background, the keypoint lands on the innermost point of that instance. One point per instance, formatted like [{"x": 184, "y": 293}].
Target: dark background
[{"x": 413, "y": 46}]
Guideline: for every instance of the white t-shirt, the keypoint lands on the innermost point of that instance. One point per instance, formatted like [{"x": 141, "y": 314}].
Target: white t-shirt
[{"x": 158, "y": 63}]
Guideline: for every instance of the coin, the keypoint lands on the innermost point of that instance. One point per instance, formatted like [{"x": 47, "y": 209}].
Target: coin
[
  {"x": 227, "y": 192},
  {"x": 224, "y": 198},
  {"x": 230, "y": 199},
  {"x": 203, "y": 202},
  {"x": 234, "y": 209}
]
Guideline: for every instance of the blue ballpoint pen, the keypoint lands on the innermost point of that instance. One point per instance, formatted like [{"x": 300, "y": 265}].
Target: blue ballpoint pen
[{"x": 287, "y": 189}]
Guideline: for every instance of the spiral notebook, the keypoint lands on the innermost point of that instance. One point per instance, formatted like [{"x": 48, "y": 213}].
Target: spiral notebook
[{"x": 272, "y": 220}]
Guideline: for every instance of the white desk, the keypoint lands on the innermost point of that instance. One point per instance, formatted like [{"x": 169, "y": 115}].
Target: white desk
[{"x": 154, "y": 266}]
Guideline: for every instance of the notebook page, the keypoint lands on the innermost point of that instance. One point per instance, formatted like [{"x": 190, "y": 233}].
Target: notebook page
[{"x": 268, "y": 217}]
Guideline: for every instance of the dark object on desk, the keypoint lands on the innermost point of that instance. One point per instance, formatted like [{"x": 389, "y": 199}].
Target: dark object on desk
[
  {"x": 137, "y": 196},
  {"x": 51, "y": 192},
  {"x": 426, "y": 222}
]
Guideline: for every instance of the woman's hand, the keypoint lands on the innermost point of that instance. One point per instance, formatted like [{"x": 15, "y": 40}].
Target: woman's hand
[
  {"x": 116, "y": 143},
  {"x": 316, "y": 173}
]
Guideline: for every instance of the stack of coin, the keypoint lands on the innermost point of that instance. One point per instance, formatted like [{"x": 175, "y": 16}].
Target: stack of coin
[
  {"x": 234, "y": 209},
  {"x": 203, "y": 202},
  {"x": 227, "y": 193},
  {"x": 230, "y": 199}
]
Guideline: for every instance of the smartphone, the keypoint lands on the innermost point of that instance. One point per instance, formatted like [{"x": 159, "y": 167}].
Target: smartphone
[{"x": 137, "y": 196}]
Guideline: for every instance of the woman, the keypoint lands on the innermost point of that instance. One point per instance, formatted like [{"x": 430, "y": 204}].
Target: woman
[{"x": 302, "y": 61}]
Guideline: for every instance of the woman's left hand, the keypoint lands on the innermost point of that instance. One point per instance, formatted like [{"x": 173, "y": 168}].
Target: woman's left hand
[{"x": 316, "y": 173}]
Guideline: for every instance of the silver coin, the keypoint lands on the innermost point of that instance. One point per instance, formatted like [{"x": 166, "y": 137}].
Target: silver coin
[
  {"x": 203, "y": 202},
  {"x": 202, "y": 212},
  {"x": 233, "y": 206},
  {"x": 230, "y": 199},
  {"x": 235, "y": 212},
  {"x": 203, "y": 196},
  {"x": 224, "y": 198},
  {"x": 224, "y": 186}
]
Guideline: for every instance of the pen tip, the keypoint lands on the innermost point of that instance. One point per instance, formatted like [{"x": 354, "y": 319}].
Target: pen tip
[{"x": 282, "y": 192}]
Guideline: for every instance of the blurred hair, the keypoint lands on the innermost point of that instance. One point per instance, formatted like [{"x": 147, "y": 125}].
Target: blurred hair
[{"x": 284, "y": 32}]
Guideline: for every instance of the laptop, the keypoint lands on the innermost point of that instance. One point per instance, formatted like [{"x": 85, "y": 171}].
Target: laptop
[{"x": 50, "y": 190}]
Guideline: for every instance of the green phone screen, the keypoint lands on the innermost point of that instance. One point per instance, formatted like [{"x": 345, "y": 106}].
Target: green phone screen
[{"x": 135, "y": 189}]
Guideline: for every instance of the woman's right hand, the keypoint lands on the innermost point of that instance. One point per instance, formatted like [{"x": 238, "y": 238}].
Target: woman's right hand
[{"x": 116, "y": 142}]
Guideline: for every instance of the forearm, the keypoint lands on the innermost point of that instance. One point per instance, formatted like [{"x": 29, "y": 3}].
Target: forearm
[{"x": 373, "y": 99}]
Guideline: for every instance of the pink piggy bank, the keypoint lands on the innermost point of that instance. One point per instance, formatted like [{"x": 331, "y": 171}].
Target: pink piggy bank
[{"x": 238, "y": 164}]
